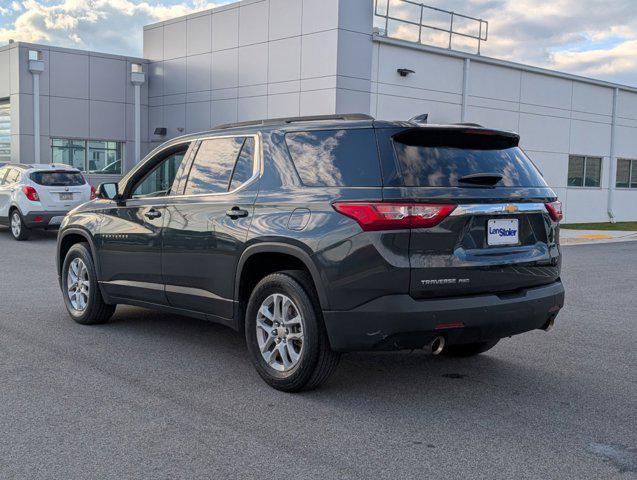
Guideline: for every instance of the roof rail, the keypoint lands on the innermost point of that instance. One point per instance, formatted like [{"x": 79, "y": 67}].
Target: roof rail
[
  {"x": 468, "y": 124},
  {"x": 313, "y": 118}
]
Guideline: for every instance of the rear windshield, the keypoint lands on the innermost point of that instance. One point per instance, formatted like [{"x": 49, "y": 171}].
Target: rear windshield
[
  {"x": 442, "y": 159},
  {"x": 58, "y": 179},
  {"x": 336, "y": 158}
]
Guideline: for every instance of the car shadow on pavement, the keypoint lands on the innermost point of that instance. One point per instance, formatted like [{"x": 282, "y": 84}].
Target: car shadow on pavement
[{"x": 377, "y": 377}]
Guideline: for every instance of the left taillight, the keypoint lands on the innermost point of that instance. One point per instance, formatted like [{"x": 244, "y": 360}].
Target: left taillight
[
  {"x": 375, "y": 216},
  {"x": 93, "y": 193},
  {"x": 31, "y": 193},
  {"x": 555, "y": 210}
]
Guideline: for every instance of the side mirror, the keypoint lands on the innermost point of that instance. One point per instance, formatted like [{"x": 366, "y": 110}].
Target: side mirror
[{"x": 108, "y": 191}]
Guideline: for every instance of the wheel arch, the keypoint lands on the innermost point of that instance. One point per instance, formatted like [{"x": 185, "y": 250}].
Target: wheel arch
[
  {"x": 69, "y": 237},
  {"x": 292, "y": 251}
]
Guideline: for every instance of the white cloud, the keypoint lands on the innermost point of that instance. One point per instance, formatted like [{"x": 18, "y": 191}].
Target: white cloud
[
  {"x": 113, "y": 26},
  {"x": 586, "y": 37}
]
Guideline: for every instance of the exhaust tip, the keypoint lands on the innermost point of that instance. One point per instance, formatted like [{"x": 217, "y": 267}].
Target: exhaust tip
[
  {"x": 549, "y": 324},
  {"x": 436, "y": 346}
]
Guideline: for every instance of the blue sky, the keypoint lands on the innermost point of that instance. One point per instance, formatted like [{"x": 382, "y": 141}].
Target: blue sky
[{"x": 596, "y": 38}]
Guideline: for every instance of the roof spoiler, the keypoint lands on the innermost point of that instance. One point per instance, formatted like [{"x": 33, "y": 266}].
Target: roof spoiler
[
  {"x": 284, "y": 120},
  {"x": 469, "y": 137}
]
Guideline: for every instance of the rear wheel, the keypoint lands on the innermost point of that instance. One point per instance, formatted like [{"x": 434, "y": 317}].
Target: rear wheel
[
  {"x": 81, "y": 292},
  {"x": 285, "y": 334},
  {"x": 18, "y": 228},
  {"x": 469, "y": 349}
]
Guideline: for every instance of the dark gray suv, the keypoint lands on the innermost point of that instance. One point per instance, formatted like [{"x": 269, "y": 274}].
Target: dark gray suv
[{"x": 316, "y": 236}]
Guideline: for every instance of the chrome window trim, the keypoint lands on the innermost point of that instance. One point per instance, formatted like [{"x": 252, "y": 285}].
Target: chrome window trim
[
  {"x": 498, "y": 209},
  {"x": 256, "y": 167}
]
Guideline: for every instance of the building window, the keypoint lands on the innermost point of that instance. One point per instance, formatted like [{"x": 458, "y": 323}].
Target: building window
[
  {"x": 626, "y": 173},
  {"x": 89, "y": 156},
  {"x": 584, "y": 171},
  {"x": 5, "y": 131}
]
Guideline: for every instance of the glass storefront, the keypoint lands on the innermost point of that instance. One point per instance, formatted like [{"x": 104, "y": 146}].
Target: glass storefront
[
  {"x": 5, "y": 131},
  {"x": 89, "y": 156}
]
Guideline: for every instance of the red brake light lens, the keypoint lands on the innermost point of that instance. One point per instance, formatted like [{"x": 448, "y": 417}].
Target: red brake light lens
[
  {"x": 555, "y": 210},
  {"x": 374, "y": 216},
  {"x": 93, "y": 193},
  {"x": 31, "y": 193}
]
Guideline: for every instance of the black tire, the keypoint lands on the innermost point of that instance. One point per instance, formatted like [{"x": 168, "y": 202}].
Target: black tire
[
  {"x": 96, "y": 311},
  {"x": 469, "y": 349},
  {"x": 24, "y": 231},
  {"x": 317, "y": 361}
]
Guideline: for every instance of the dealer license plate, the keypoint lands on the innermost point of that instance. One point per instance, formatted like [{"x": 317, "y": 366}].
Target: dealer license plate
[{"x": 503, "y": 232}]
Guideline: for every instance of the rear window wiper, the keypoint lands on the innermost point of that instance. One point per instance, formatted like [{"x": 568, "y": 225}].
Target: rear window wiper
[{"x": 481, "y": 178}]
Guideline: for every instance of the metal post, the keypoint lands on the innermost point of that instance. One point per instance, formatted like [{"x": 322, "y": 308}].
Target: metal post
[
  {"x": 138, "y": 121},
  {"x": 612, "y": 177},
  {"x": 138, "y": 78},
  {"x": 450, "y": 30},
  {"x": 36, "y": 67},
  {"x": 36, "y": 117},
  {"x": 420, "y": 24},
  {"x": 387, "y": 20},
  {"x": 465, "y": 89},
  {"x": 479, "y": 37}
]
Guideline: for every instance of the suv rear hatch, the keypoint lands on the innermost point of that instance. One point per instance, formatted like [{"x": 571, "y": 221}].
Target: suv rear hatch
[
  {"x": 60, "y": 190},
  {"x": 499, "y": 236}
]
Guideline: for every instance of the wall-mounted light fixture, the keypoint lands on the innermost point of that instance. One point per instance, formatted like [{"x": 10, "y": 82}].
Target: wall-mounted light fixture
[
  {"x": 403, "y": 72},
  {"x": 161, "y": 131}
]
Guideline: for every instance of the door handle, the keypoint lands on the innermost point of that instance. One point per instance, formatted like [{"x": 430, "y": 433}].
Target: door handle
[
  {"x": 236, "y": 212},
  {"x": 152, "y": 213}
]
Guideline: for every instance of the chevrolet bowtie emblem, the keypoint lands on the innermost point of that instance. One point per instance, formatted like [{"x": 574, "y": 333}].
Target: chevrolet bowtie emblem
[{"x": 510, "y": 208}]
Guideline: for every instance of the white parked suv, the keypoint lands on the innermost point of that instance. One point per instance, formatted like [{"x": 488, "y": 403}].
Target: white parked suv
[{"x": 38, "y": 196}]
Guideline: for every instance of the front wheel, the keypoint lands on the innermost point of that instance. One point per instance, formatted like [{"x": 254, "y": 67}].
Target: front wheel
[
  {"x": 469, "y": 349},
  {"x": 80, "y": 289},
  {"x": 18, "y": 228},
  {"x": 285, "y": 334}
]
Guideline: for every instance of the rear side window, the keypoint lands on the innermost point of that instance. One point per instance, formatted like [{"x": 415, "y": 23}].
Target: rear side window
[
  {"x": 335, "y": 158},
  {"x": 58, "y": 179},
  {"x": 443, "y": 158},
  {"x": 12, "y": 176},
  {"x": 213, "y": 166}
]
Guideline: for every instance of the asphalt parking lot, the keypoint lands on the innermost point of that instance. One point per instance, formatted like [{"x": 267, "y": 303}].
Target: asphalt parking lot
[{"x": 151, "y": 395}]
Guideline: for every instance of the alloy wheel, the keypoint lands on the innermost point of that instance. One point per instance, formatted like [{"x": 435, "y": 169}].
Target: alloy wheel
[
  {"x": 280, "y": 332},
  {"x": 78, "y": 285},
  {"x": 16, "y": 224}
]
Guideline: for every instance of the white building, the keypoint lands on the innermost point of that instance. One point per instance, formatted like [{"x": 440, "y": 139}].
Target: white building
[{"x": 275, "y": 58}]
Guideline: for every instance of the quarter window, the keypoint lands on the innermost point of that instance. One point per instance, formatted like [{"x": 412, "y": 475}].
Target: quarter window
[
  {"x": 89, "y": 156},
  {"x": 244, "y": 167},
  {"x": 214, "y": 165},
  {"x": 584, "y": 171},
  {"x": 12, "y": 176},
  {"x": 335, "y": 158},
  {"x": 626, "y": 173}
]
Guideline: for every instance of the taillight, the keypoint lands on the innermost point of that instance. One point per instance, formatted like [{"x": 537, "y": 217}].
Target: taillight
[
  {"x": 31, "y": 193},
  {"x": 555, "y": 210},
  {"x": 93, "y": 193},
  {"x": 373, "y": 216}
]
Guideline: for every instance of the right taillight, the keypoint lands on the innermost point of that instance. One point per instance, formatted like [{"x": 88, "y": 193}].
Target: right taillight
[
  {"x": 374, "y": 216},
  {"x": 555, "y": 210}
]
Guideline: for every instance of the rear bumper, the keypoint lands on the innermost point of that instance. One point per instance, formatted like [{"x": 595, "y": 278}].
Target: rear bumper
[
  {"x": 396, "y": 322},
  {"x": 46, "y": 219}
]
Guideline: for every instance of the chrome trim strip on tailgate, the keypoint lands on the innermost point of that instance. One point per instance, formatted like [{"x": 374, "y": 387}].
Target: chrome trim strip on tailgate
[{"x": 498, "y": 209}]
